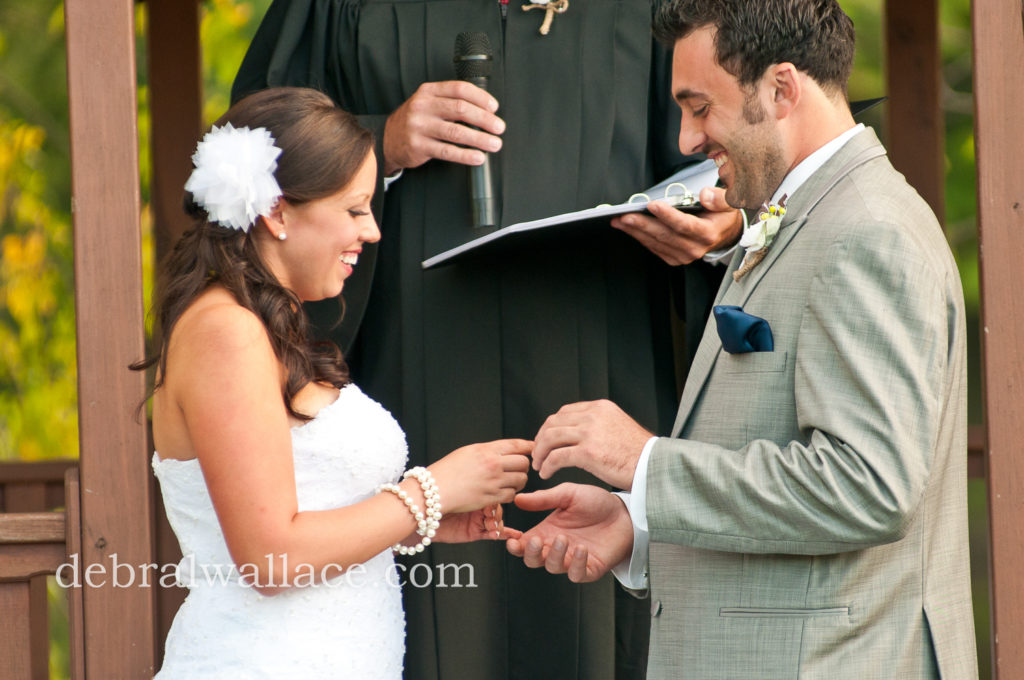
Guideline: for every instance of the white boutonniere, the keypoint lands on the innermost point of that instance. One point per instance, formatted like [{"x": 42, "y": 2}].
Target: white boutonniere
[{"x": 760, "y": 235}]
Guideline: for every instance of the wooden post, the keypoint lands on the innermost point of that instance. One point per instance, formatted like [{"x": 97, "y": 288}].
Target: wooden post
[
  {"x": 175, "y": 97},
  {"x": 998, "y": 27},
  {"x": 915, "y": 129},
  {"x": 175, "y": 104},
  {"x": 115, "y": 496}
]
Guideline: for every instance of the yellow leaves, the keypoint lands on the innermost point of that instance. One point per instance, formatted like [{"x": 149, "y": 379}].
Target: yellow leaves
[
  {"x": 19, "y": 146},
  {"x": 221, "y": 24},
  {"x": 38, "y": 416},
  {"x": 28, "y": 289}
]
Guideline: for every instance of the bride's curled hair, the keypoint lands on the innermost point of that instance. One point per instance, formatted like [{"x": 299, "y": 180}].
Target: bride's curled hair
[{"x": 322, "y": 148}]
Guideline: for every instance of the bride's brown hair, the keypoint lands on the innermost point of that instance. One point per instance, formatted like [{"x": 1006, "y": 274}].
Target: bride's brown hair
[{"x": 322, "y": 147}]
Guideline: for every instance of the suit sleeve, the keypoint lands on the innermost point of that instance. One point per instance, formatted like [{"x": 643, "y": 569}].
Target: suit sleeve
[{"x": 871, "y": 356}]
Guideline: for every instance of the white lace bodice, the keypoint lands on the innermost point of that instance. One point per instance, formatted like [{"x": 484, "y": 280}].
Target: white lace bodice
[{"x": 349, "y": 627}]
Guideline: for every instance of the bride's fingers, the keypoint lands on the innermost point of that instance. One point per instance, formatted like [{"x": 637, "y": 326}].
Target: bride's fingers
[
  {"x": 514, "y": 481},
  {"x": 492, "y": 525},
  {"x": 515, "y": 463}
]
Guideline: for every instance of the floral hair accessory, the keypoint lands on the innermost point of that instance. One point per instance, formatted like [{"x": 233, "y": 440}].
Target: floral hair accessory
[
  {"x": 759, "y": 236},
  {"x": 233, "y": 179}
]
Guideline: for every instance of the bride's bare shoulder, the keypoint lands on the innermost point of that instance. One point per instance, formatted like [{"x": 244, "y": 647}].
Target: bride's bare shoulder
[{"x": 216, "y": 321}]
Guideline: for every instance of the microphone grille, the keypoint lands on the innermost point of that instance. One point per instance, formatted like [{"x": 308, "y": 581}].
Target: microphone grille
[{"x": 473, "y": 55}]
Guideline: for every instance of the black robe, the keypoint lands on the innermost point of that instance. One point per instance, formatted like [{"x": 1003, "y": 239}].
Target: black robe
[{"x": 489, "y": 347}]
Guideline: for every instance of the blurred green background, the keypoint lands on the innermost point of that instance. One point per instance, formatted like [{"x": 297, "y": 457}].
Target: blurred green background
[{"x": 38, "y": 410}]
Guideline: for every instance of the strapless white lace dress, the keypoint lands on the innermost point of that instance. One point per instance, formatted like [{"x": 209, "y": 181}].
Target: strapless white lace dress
[{"x": 349, "y": 627}]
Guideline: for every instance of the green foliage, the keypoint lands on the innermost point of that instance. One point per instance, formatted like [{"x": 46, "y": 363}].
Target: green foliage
[
  {"x": 38, "y": 413},
  {"x": 226, "y": 29},
  {"x": 38, "y": 388}
]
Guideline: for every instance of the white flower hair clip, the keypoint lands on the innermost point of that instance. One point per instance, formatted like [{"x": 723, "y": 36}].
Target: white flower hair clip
[{"x": 233, "y": 179}]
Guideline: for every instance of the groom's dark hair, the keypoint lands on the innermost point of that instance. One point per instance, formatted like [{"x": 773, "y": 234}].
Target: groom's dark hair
[{"x": 816, "y": 36}]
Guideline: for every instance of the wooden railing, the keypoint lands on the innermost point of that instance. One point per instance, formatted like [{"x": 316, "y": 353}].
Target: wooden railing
[{"x": 35, "y": 540}]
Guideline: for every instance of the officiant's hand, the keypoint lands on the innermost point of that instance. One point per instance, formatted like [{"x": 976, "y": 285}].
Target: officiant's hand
[
  {"x": 596, "y": 436},
  {"x": 588, "y": 533},
  {"x": 479, "y": 475},
  {"x": 435, "y": 123},
  {"x": 680, "y": 238}
]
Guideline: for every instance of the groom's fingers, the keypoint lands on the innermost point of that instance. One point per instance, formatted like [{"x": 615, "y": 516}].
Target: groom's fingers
[
  {"x": 510, "y": 533},
  {"x": 548, "y": 439},
  {"x": 578, "y": 566},
  {"x": 533, "y": 554},
  {"x": 514, "y": 547},
  {"x": 562, "y": 457},
  {"x": 555, "y": 562},
  {"x": 545, "y": 499},
  {"x": 559, "y": 429}
]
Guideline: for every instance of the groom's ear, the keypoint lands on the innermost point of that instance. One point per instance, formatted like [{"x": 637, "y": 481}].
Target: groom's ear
[{"x": 786, "y": 86}]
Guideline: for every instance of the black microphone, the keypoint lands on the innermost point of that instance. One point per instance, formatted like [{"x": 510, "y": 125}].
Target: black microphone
[{"x": 473, "y": 59}]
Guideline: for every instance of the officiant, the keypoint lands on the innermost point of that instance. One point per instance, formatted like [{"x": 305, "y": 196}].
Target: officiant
[{"x": 489, "y": 346}]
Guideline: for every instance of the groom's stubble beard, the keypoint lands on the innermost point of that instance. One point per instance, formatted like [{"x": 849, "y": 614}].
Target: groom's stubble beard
[{"x": 756, "y": 153}]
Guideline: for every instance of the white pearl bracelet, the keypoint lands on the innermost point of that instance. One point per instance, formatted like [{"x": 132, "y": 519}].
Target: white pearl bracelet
[{"x": 426, "y": 525}]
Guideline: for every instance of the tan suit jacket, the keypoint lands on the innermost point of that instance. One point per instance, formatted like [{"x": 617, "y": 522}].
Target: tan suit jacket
[{"x": 808, "y": 518}]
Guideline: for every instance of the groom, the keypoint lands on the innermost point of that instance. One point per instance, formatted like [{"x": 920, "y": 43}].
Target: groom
[{"x": 807, "y": 517}]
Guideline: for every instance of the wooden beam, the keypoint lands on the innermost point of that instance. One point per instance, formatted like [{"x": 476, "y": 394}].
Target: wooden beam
[
  {"x": 115, "y": 500},
  {"x": 998, "y": 27},
  {"x": 175, "y": 104},
  {"x": 915, "y": 129},
  {"x": 32, "y": 527},
  {"x": 37, "y": 471},
  {"x": 175, "y": 88},
  {"x": 23, "y": 561}
]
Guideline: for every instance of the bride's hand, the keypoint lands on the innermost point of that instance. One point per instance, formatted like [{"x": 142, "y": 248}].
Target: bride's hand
[
  {"x": 479, "y": 475},
  {"x": 483, "y": 524}
]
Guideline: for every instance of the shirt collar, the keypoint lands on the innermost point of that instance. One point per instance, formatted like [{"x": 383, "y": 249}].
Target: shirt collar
[{"x": 810, "y": 165}]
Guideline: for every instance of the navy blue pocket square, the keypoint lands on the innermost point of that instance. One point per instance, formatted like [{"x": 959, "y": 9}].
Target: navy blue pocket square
[{"x": 741, "y": 332}]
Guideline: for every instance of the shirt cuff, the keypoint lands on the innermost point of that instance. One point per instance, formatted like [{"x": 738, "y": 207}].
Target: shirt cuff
[
  {"x": 632, "y": 573},
  {"x": 391, "y": 179},
  {"x": 638, "y": 491}
]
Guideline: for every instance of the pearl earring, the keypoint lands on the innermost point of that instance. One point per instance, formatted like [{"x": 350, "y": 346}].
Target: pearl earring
[{"x": 282, "y": 236}]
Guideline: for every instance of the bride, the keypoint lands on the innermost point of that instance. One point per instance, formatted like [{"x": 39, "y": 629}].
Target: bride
[{"x": 278, "y": 474}]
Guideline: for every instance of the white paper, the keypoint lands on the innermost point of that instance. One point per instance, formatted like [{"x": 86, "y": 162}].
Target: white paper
[{"x": 693, "y": 177}]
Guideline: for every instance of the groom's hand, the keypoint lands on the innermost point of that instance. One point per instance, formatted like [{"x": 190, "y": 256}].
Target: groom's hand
[
  {"x": 680, "y": 238},
  {"x": 588, "y": 533},
  {"x": 596, "y": 436}
]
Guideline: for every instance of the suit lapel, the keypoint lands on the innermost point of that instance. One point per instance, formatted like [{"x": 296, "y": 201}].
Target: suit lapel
[{"x": 860, "y": 149}]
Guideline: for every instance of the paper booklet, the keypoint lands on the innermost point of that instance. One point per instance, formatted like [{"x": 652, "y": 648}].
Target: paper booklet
[{"x": 680, "y": 190}]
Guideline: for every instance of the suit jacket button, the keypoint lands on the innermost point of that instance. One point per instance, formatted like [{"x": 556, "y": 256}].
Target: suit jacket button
[{"x": 655, "y": 607}]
